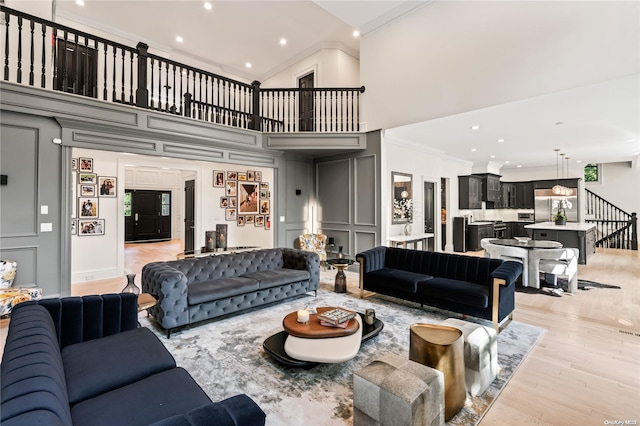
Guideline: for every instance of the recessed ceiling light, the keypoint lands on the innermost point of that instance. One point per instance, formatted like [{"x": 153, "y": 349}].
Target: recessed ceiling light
[
  {"x": 519, "y": 165},
  {"x": 492, "y": 156},
  {"x": 507, "y": 162},
  {"x": 283, "y": 41},
  {"x": 179, "y": 39},
  {"x": 356, "y": 33},
  {"x": 473, "y": 150},
  {"x": 578, "y": 161},
  {"x": 208, "y": 5},
  {"x": 475, "y": 127},
  {"x": 248, "y": 65},
  {"x": 80, "y": 2},
  {"x": 500, "y": 140}
]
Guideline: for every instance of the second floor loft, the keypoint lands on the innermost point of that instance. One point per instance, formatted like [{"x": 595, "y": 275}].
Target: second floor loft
[{"x": 44, "y": 54}]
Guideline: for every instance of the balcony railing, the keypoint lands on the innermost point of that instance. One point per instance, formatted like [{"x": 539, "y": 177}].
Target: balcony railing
[
  {"x": 615, "y": 228},
  {"x": 45, "y": 54}
]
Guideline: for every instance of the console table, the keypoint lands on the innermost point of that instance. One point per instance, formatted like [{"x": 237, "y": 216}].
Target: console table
[{"x": 404, "y": 240}]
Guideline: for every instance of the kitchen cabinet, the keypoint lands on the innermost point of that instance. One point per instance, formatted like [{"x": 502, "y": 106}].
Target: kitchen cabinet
[
  {"x": 476, "y": 232},
  {"x": 508, "y": 199},
  {"x": 524, "y": 195},
  {"x": 490, "y": 188},
  {"x": 469, "y": 192}
]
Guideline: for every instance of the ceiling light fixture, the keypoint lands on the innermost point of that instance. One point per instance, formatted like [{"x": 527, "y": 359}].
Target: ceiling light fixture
[
  {"x": 492, "y": 156},
  {"x": 475, "y": 127},
  {"x": 473, "y": 150},
  {"x": 506, "y": 161},
  {"x": 80, "y": 2},
  {"x": 179, "y": 39},
  {"x": 519, "y": 165},
  {"x": 248, "y": 65},
  {"x": 208, "y": 5},
  {"x": 557, "y": 188},
  {"x": 500, "y": 140},
  {"x": 283, "y": 41},
  {"x": 356, "y": 33}
]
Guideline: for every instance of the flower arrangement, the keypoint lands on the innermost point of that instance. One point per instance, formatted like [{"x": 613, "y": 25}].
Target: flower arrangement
[
  {"x": 403, "y": 209},
  {"x": 560, "y": 206}
]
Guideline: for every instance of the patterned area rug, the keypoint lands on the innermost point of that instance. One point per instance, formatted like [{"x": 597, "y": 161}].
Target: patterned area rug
[{"x": 226, "y": 358}]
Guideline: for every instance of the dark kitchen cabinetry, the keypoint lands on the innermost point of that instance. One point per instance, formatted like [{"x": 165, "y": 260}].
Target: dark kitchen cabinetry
[
  {"x": 475, "y": 234},
  {"x": 470, "y": 192},
  {"x": 508, "y": 200},
  {"x": 524, "y": 195},
  {"x": 490, "y": 188}
]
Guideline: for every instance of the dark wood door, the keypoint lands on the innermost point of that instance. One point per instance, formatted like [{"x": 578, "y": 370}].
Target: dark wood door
[
  {"x": 147, "y": 215},
  {"x": 76, "y": 69},
  {"x": 189, "y": 216},
  {"x": 306, "y": 106}
]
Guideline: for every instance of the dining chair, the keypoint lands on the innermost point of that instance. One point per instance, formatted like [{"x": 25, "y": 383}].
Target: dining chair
[
  {"x": 517, "y": 254},
  {"x": 558, "y": 262}
]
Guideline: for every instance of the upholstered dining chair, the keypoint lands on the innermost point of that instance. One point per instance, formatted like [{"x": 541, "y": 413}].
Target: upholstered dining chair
[
  {"x": 316, "y": 243},
  {"x": 558, "y": 262}
]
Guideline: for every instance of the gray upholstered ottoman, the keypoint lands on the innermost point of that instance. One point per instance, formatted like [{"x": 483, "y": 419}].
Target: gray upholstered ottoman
[
  {"x": 480, "y": 354},
  {"x": 395, "y": 391}
]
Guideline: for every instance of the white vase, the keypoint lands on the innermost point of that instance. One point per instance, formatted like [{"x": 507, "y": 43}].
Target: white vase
[{"x": 407, "y": 229}]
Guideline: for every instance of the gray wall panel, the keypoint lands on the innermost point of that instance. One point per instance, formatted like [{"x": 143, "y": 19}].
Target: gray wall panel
[
  {"x": 364, "y": 241},
  {"x": 342, "y": 238},
  {"x": 203, "y": 130},
  {"x": 366, "y": 197},
  {"x": 27, "y": 260},
  {"x": 333, "y": 183}
]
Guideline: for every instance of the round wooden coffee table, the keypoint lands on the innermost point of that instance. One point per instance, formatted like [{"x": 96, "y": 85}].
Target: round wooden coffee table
[{"x": 313, "y": 329}]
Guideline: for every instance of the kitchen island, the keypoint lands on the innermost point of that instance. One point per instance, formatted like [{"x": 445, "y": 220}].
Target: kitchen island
[{"x": 572, "y": 235}]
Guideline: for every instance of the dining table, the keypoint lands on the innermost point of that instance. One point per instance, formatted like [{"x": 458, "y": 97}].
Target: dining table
[{"x": 526, "y": 251}]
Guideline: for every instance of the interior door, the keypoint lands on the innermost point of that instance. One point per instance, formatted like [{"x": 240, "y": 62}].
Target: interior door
[
  {"x": 306, "y": 106},
  {"x": 147, "y": 215},
  {"x": 429, "y": 209},
  {"x": 189, "y": 216}
]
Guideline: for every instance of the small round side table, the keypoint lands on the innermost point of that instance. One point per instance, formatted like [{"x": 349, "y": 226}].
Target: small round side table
[{"x": 341, "y": 278}]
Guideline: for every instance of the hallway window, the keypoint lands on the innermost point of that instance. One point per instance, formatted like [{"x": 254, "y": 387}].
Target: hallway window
[{"x": 591, "y": 173}]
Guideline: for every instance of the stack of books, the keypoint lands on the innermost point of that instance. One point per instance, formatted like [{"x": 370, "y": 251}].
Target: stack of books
[{"x": 336, "y": 318}]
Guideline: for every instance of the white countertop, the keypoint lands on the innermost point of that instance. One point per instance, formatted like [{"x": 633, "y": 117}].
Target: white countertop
[
  {"x": 570, "y": 226},
  {"x": 407, "y": 238}
]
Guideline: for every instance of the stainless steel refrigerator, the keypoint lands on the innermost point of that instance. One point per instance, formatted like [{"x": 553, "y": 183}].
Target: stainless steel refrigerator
[{"x": 546, "y": 205}]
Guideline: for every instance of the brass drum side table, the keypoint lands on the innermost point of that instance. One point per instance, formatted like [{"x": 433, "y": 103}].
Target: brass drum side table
[{"x": 441, "y": 347}]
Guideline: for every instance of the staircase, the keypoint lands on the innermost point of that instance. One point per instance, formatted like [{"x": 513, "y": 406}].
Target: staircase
[{"x": 615, "y": 228}]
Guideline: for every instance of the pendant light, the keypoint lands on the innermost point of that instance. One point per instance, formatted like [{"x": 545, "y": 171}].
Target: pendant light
[{"x": 557, "y": 188}]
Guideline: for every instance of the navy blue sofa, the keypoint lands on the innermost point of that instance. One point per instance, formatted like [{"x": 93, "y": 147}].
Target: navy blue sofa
[
  {"x": 476, "y": 286},
  {"x": 84, "y": 361}
]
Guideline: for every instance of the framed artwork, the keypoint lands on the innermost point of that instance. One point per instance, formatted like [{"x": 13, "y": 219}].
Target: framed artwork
[
  {"x": 264, "y": 206},
  {"x": 264, "y": 194},
  {"x": 242, "y": 176},
  {"x": 87, "y": 207},
  {"x": 230, "y": 214},
  {"x": 74, "y": 227},
  {"x": 91, "y": 227},
  {"x": 232, "y": 176},
  {"x": 74, "y": 164},
  {"x": 233, "y": 202},
  {"x": 231, "y": 188},
  {"x": 87, "y": 190},
  {"x": 251, "y": 175},
  {"x": 218, "y": 179},
  {"x": 264, "y": 186},
  {"x": 248, "y": 197},
  {"x": 267, "y": 222},
  {"x": 241, "y": 220},
  {"x": 88, "y": 178},
  {"x": 224, "y": 202},
  {"x": 107, "y": 186},
  {"x": 85, "y": 164},
  {"x": 259, "y": 220},
  {"x": 258, "y": 176},
  {"x": 249, "y": 219}
]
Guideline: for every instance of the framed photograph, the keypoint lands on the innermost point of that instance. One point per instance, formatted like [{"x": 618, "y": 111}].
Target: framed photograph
[
  {"x": 233, "y": 202},
  {"x": 88, "y": 178},
  {"x": 91, "y": 227},
  {"x": 224, "y": 202},
  {"x": 258, "y": 176},
  {"x": 87, "y": 207},
  {"x": 242, "y": 176},
  {"x": 240, "y": 220},
  {"x": 218, "y": 179},
  {"x": 230, "y": 214},
  {"x": 251, "y": 175},
  {"x": 249, "y": 219},
  {"x": 264, "y": 194},
  {"x": 267, "y": 222},
  {"x": 107, "y": 186},
  {"x": 232, "y": 175},
  {"x": 231, "y": 188},
  {"x": 259, "y": 221},
  {"x": 74, "y": 227},
  {"x": 248, "y": 197},
  {"x": 87, "y": 190},
  {"x": 85, "y": 164},
  {"x": 264, "y": 186},
  {"x": 264, "y": 206},
  {"x": 74, "y": 164}
]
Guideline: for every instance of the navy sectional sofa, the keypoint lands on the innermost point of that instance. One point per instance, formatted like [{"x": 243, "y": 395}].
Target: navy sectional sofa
[
  {"x": 197, "y": 289},
  {"x": 84, "y": 361},
  {"x": 475, "y": 286}
]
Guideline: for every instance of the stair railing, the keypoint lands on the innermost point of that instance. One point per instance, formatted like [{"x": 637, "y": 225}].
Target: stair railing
[{"x": 615, "y": 228}]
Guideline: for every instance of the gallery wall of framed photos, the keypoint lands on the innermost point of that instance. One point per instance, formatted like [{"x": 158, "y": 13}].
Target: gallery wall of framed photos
[
  {"x": 89, "y": 189},
  {"x": 246, "y": 198}
]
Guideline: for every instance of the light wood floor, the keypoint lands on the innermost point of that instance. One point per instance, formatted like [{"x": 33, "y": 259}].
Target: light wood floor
[{"x": 584, "y": 370}]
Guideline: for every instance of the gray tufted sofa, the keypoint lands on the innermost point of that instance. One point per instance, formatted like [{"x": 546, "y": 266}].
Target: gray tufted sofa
[{"x": 196, "y": 289}]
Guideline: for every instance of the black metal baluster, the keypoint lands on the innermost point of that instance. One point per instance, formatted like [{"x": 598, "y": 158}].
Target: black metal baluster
[
  {"x": 181, "y": 94},
  {"x": 131, "y": 77},
  {"x": 188, "y": 91},
  {"x": 6, "y": 46},
  {"x": 166, "y": 87},
  {"x": 85, "y": 85},
  {"x": 357, "y": 115},
  {"x": 114, "y": 96},
  {"x": 76, "y": 64},
  {"x": 173, "y": 106},
  {"x": 55, "y": 57},
  {"x": 104, "y": 79},
  {"x": 200, "y": 96},
  {"x": 19, "y": 49},
  {"x": 122, "y": 78},
  {"x": 159, "y": 85},
  {"x": 43, "y": 80},
  {"x": 32, "y": 53},
  {"x": 153, "y": 102}
]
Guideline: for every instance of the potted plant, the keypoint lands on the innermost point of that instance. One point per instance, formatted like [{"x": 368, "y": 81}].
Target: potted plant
[{"x": 560, "y": 218}]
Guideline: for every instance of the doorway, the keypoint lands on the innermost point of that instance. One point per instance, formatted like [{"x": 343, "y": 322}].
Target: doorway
[
  {"x": 189, "y": 216},
  {"x": 306, "y": 104},
  {"x": 147, "y": 215},
  {"x": 429, "y": 211}
]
